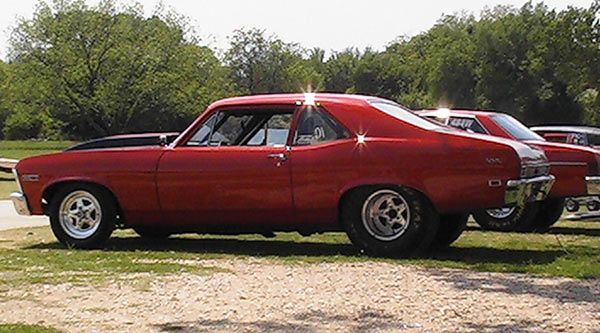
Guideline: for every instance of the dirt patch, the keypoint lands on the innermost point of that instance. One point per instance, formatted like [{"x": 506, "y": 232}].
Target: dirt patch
[{"x": 258, "y": 295}]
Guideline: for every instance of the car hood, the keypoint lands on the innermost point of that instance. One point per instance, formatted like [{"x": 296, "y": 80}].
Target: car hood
[{"x": 124, "y": 140}]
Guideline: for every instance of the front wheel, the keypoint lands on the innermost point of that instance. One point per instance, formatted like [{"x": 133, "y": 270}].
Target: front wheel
[
  {"x": 82, "y": 216},
  {"x": 507, "y": 219},
  {"x": 389, "y": 221}
]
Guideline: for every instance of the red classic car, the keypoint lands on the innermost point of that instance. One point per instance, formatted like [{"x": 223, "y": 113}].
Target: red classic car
[
  {"x": 575, "y": 168},
  {"x": 577, "y": 135},
  {"x": 395, "y": 182}
]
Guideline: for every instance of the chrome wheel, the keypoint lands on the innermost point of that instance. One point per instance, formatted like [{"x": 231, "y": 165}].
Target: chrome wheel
[
  {"x": 385, "y": 215},
  {"x": 80, "y": 214},
  {"x": 500, "y": 213}
]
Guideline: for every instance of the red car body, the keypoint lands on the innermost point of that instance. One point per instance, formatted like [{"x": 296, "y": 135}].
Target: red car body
[
  {"x": 575, "y": 167},
  {"x": 236, "y": 189}
]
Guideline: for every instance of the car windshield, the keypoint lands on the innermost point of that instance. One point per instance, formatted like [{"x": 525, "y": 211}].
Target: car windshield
[
  {"x": 399, "y": 112},
  {"x": 515, "y": 128}
]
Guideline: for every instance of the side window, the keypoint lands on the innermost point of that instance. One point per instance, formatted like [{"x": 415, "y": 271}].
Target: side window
[
  {"x": 244, "y": 128},
  {"x": 315, "y": 126},
  {"x": 470, "y": 124},
  {"x": 273, "y": 131},
  {"x": 202, "y": 135}
]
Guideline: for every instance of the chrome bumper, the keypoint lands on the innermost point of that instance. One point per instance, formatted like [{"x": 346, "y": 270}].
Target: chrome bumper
[
  {"x": 20, "y": 202},
  {"x": 593, "y": 185},
  {"x": 527, "y": 190}
]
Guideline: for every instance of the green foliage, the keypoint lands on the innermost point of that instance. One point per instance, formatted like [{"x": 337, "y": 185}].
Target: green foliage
[
  {"x": 78, "y": 71},
  {"x": 101, "y": 71},
  {"x": 261, "y": 64}
]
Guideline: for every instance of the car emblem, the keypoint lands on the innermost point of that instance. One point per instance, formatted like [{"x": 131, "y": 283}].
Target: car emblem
[{"x": 494, "y": 160}]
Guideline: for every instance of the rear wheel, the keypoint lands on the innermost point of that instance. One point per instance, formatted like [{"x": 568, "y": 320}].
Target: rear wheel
[
  {"x": 549, "y": 212},
  {"x": 82, "y": 216},
  {"x": 389, "y": 221},
  {"x": 511, "y": 218},
  {"x": 451, "y": 227}
]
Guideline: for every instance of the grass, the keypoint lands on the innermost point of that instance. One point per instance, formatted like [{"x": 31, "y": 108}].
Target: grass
[
  {"x": 22, "y": 328},
  {"x": 19, "y": 150},
  {"x": 31, "y": 256}
]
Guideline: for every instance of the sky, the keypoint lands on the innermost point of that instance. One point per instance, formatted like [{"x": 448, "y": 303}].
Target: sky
[{"x": 329, "y": 24}]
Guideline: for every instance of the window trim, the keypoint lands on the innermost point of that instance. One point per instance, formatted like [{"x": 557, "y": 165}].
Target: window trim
[
  {"x": 252, "y": 109},
  {"x": 322, "y": 109}
]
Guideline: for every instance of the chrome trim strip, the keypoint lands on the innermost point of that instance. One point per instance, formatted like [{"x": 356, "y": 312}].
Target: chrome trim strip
[
  {"x": 569, "y": 163},
  {"x": 16, "y": 174},
  {"x": 20, "y": 202},
  {"x": 593, "y": 185}
]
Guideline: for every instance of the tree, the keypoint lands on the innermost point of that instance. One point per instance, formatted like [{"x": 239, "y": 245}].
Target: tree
[
  {"x": 101, "y": 71},
  {"x": 261, "y": 64}
]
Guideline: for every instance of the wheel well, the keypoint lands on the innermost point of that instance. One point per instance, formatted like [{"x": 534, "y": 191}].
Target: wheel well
[
  {"x": 49, "y": 193},
  {"x": 349, "y": 192}
]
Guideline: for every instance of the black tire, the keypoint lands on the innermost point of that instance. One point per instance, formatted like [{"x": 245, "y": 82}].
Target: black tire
[
  {"x": 451, "y": 227},
  {"x": 152, "y": 233},
  {"x": 571, "y": 205},
  {"x": 520, "y": 219},
  {"x": 105, "y": 212},
  {"x": 417, "y": 232},
  {"x": 592, "y": 205},
  {"x": 550, "y": 211}
]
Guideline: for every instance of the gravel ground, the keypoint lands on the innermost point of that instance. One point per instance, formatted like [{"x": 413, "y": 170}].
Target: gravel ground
[{"x": 255, "y": 295}]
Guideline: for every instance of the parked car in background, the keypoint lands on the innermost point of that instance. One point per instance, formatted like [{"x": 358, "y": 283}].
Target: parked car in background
[
  {"x": 577, "y": 135},
  {"x": 395, "y": 182},
  {"x": 575, "y": 168},
  {"x": 7, "y": 164}
]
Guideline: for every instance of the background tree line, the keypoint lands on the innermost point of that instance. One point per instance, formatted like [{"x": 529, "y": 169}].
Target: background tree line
[{"x": 77, "y": 71}]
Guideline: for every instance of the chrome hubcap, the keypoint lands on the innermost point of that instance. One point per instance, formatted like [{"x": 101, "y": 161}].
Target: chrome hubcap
[
  {"x": 386, "y": 215},
  {"x": 80, "y": 214},
  {"x": 500, "y": 213}
]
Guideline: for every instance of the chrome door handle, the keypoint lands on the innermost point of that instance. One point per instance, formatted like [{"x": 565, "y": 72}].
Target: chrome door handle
[{"x": 280, "y": 156}]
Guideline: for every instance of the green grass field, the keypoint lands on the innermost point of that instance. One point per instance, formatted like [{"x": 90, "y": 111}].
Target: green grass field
[
  {"x": 21, "y": 149},
  {"x": 22, "y": 328},
  {"x": 34, "y": 256}
]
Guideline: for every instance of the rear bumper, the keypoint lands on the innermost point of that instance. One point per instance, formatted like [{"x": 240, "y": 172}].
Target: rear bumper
[
  {"x": 526, "y": 190},
  {"x": 593, "y": 185},
  {"x": 20, "y": 202}
]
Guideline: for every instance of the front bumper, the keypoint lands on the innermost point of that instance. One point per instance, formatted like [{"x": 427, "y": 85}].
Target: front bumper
[
  {"x": 20, "y": 202},
  {"x": 526, "y": 190},
  {"x": 593, "y": 185}
]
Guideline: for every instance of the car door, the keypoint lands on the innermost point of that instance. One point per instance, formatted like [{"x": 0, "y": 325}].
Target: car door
[
  {"x": 323, "y": 159},
  {"x": 233, "y": 170}
]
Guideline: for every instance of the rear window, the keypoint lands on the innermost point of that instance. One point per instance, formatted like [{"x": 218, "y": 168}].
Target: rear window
[
  {"x": 399, "y": 112},
  {"x": 515, "y": 128}
]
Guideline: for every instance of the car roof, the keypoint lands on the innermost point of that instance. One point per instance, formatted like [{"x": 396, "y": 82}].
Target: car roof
[
  {"x": 279, "y": 99},
  {"x": 579, "y": 129},
  {"x": 433, "y": 112}
]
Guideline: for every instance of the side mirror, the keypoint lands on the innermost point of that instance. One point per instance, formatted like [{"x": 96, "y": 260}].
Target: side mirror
[{"x": 162, "y": 140}]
